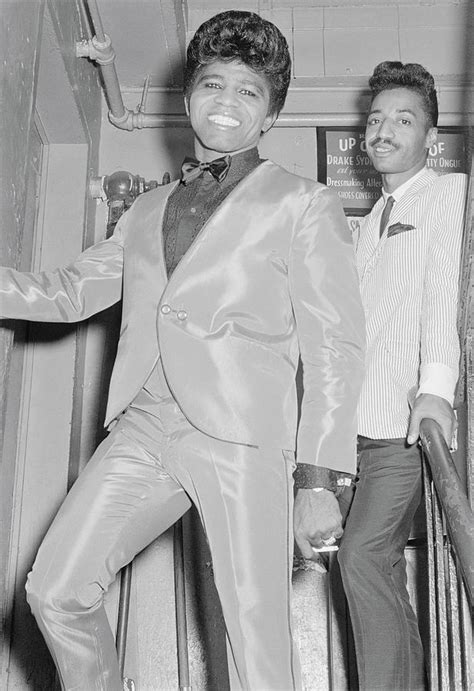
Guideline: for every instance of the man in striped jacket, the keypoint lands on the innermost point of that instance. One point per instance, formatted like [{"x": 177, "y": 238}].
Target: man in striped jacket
[{"x": 408, "y": 260}]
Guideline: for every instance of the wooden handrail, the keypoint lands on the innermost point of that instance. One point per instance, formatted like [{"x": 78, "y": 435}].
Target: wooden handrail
[
  {"x": 453, "y": 498},
  {"x": 184, "y": 683}
]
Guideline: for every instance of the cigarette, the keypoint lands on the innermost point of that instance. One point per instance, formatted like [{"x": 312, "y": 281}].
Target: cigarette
[{"x": 326, "y": 548}]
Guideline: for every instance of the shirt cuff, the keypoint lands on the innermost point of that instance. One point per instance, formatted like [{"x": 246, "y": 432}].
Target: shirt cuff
[
  {"x": 438, "y": 379},
  {"x": 308, "y": 476}
]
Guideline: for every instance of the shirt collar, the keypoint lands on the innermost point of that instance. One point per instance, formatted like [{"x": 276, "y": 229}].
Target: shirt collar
[
  {"x": 242, "y": 164},
  {"x": 398, "y": 193}
]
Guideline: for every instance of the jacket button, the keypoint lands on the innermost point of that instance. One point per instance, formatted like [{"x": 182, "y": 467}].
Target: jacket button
[
  {"x": 165, "y": 309},
  {"x": 182, "y": 315}
]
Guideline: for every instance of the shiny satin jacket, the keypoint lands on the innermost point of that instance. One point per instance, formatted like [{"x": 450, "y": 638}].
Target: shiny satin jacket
[{"x": 270, "y": 276}]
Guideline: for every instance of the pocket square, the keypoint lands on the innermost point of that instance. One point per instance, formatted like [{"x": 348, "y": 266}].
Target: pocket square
[{"x": 398, "y": 228}]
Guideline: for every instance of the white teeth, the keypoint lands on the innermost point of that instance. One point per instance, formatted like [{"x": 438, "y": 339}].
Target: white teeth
[{"x": 224, "y": 120}]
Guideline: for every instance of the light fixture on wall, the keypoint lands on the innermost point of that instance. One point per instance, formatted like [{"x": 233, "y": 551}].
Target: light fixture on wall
[{"x": 120, "y": 189}]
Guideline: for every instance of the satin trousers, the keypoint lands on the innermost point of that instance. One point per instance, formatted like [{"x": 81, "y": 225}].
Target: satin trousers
[
  {"x": 142, "y": 478},
  {"x": 373, "y": 567}
]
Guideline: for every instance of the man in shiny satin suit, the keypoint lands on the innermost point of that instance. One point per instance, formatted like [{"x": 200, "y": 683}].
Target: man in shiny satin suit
[
  {"x": 226, "y": 277},
  {"x": 408, "y": 258}
]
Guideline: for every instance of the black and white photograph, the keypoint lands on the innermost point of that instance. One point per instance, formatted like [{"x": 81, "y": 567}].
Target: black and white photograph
[{"x": 236, "y": 345}]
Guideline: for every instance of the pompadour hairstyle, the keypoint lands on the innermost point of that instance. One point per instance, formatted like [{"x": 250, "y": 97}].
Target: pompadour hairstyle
[
  {"x": 396, "y": 75},
  {"x": 247, "y": 38}
]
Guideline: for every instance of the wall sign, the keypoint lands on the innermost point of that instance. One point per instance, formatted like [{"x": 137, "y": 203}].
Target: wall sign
[{"x": 344, "y": 165}]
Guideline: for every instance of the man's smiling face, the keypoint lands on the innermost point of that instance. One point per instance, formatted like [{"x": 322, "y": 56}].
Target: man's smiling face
[
  {"x": 398, "y": 134},
  {"x": 228, "y": 108}
]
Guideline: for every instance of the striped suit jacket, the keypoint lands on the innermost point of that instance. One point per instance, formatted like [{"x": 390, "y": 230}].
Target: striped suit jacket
[{"x": 409, "y": 285}]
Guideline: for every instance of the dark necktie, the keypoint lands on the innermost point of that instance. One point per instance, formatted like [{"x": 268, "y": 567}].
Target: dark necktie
[
  {"x": 192, "y": 169},
  {"x": 385, "y": 215}
]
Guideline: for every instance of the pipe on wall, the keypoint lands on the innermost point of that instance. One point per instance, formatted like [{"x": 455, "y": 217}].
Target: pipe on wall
[
  {"x": 99, "y": 49},
  {"x": 96, "y": 19},
  {"x": 103, "y": 53}
]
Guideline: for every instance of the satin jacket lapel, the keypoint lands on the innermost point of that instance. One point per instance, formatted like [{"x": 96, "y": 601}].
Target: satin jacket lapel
[
  {"x": 216, "y": 224},
  {"x": 145, "y": 281},
  {"x": 147, "y": 239},
  {"x": 145, "y": 276}
]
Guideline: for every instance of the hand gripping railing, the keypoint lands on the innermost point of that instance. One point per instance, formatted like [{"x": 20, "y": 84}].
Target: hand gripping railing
[
  {"x": 453, "y": 498},
  {"x": 450, "y": 563}
]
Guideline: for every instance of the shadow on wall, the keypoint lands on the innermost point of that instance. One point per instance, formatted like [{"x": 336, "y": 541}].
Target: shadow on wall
[
  {"x": 204, "y": 609},
  {"x": 28, "y": 650}
]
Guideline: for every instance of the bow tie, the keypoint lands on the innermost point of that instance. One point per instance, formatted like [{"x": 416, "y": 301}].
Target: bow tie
[{"x": 192, "y": 169}]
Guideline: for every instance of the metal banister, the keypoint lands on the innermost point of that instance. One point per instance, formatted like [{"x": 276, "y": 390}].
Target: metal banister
[{"x": 453, "y": 498}]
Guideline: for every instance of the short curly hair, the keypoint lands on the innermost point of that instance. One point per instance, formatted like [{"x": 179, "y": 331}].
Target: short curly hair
[
  {"x": 396, "y": 75},
  {"x": 247, "y": 38}
]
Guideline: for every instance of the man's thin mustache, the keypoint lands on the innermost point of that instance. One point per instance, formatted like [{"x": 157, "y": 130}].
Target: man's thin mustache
[{"x": 381, "y": 140}]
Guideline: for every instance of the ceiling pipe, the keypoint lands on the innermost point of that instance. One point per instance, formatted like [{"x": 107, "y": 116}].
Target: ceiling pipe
[{"x": 99, "y": 49}]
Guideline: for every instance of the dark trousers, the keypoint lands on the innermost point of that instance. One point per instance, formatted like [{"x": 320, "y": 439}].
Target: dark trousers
[{"x": 371, "y": 557}]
